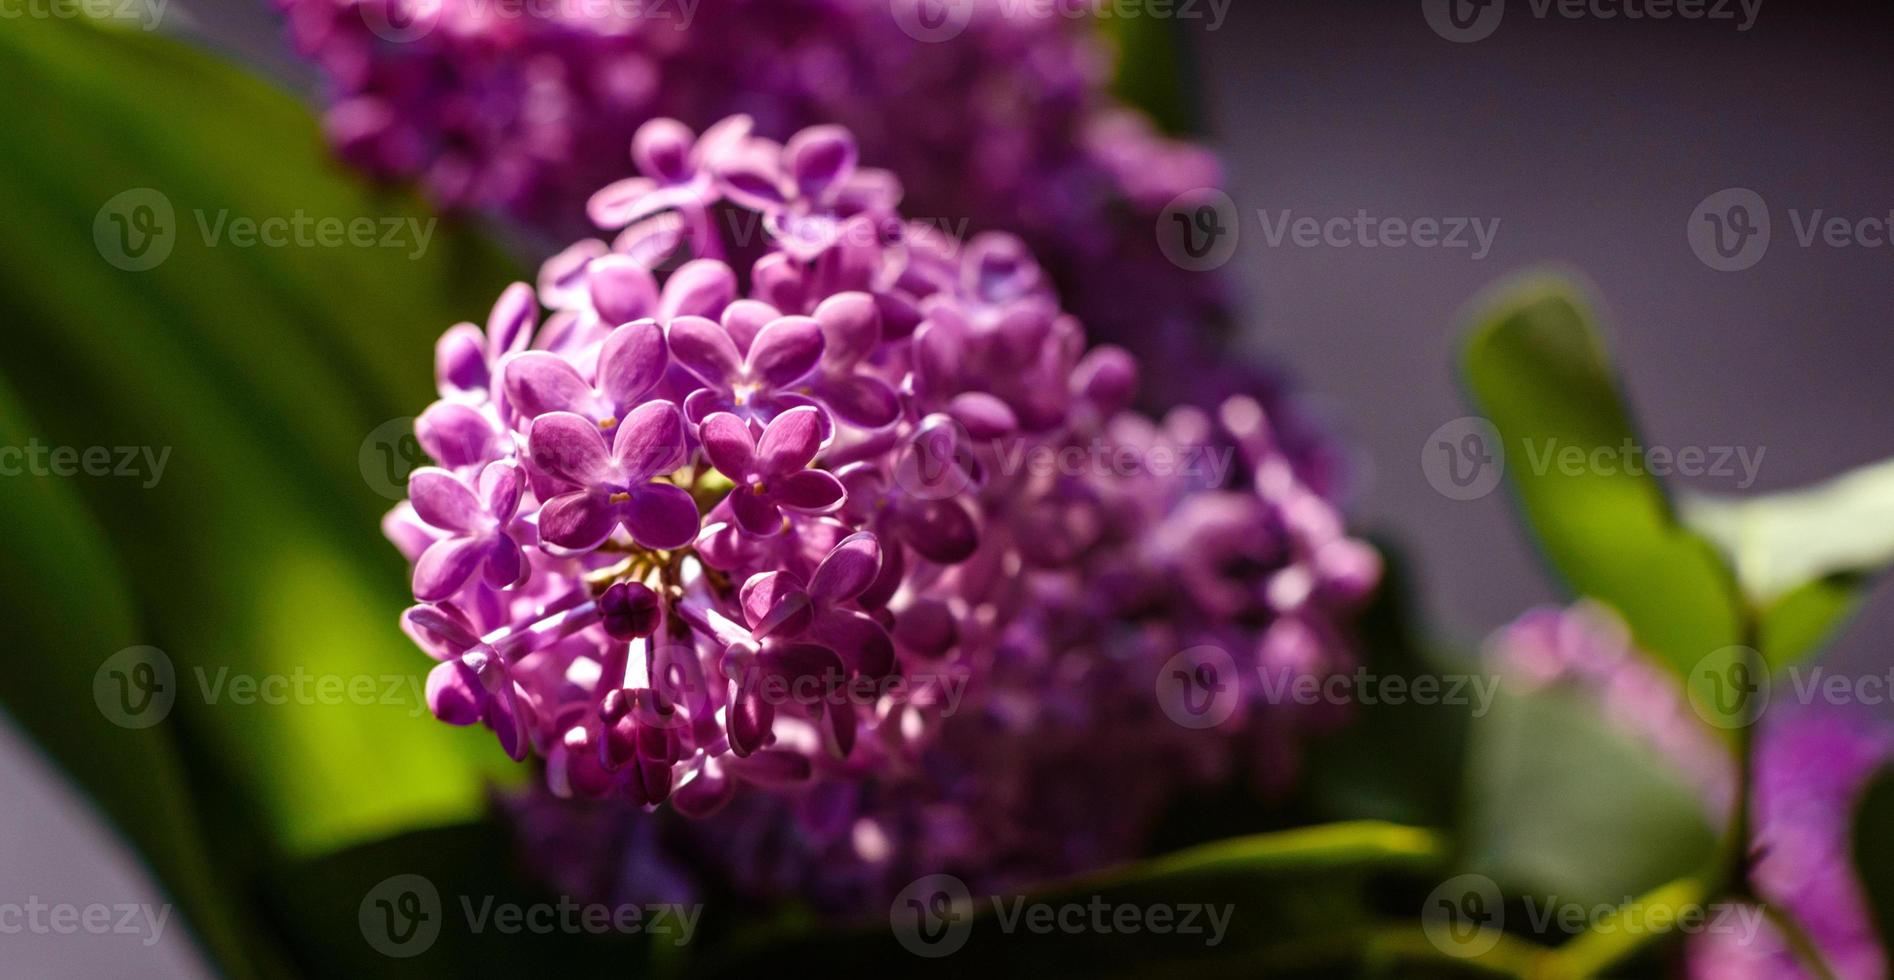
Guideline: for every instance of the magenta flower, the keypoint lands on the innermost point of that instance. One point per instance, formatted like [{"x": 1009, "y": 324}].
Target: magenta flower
[
  {"x": 778, "y": 604},
  {"x": 771, "y": 473},
  {"x": 476, "y": 519},
  {"x": 750, "y": 381},
  {"x": 615, "y": 488},
  {"x": 630, "y": 363}
]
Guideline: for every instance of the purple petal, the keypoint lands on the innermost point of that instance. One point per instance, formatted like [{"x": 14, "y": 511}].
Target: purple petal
[
  {"x": 755, "y": 513},
  {"x": 452, "y": 693},
  {"x": 789, "y": 442},
  {"x": 851, "y": 327},
  {"x": 849, "y": 569},
  {"x": 661, "y": 516},
  {"x": 936, "y": 362},
  {"x": 984, "y": 416},
  {"x": 622, "y": 290},
  {"x": 456, "y": 435},
  {"x": 701, "y": 287},
  {"x": 445, "y": 502},
  {"x": 446, "y": 566},
  {"x": 728, "y": 443},
  {"x": 562, "y": 278},
  {"x": 577, "y": 521},
  {"x": 617, "y": 204},
  {"x": 750, "y": 720},
  {"x": 785, "y": 351},
  {"x": 504, "y": 565},
  {"x": 705, "y": 350},
  {"x": 631, "y": 362},
  {"x": 537, "y": 383},
  {"x": 650, "y": 442},
  {"x": 569, "y": 447},
  {"x": 772, "y": 769},
  {"x": 442, "y": 631},
  {"x": 819, "y": 158},
  {"x": 809, "y": 491},
  {"x": 862, "y": 643},
  {"x": 752, "y": 176},
  {"x": 927, "y": 627},
  {"x": 1108, "y": 377},
  {"x": 941, "y": 530},
  {"x": 502, "y": 484},
  {"x": 839, "y": 730},
  {"x": 774, "y": 603},
  {"x": 460, "y": 361},
  {"x": 746, "y": 318},
  {"x": 860, "y": 400},
  {"x": 510, "y": 324},
  {"x": 704, "y": 402},
  {"x": 662, "y": 149}
]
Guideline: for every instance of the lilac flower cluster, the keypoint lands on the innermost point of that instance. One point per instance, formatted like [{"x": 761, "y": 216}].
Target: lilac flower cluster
[
  {"x": 702, "y": 532},
  {"x": 527, "y": 107},
  {"x": 1811, "y": 767}
]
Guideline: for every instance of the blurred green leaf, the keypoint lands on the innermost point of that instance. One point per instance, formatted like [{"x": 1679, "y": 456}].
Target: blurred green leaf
[
  {"x": 1292, "y": 896},
  {"x": 1561, "y": 803},
  {"x": 1804, "y": 558},
  {"x": 261, "y": 372},
  {"x": 1537, "y": 367},
  {"x": 58, "y": 643},
  {"x": 1874, "y": 852}
]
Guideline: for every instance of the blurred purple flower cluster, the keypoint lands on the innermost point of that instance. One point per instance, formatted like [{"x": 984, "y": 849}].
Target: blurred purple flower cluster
[
  {"x": 996, "y": 115},
  {"x": 864, "y": 528},
  {"x": 1811, "y": 766}
]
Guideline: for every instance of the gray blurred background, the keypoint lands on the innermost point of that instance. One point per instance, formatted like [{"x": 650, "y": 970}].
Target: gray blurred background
[{"x": 1591, "y": 141}]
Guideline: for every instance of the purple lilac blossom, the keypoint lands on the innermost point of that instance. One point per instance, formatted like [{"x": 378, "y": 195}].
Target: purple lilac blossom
[
  {"x": 1811, "y": 766},
  {"x": 1009, "y": 124},
  {"x": 924, "y": 631}
]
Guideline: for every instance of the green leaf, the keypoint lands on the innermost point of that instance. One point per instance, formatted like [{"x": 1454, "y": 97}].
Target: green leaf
[
  {"x": 1806, "y": 557},
  {"x": 261, "y": 372},
  {"x": 80, "y": 613},
  {"x": 1294, "y": 895},
  {"x": 1561, "y": 803},
  {"x": 1537, "y": 367},
  {"x": 1874, "y": 852}
]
